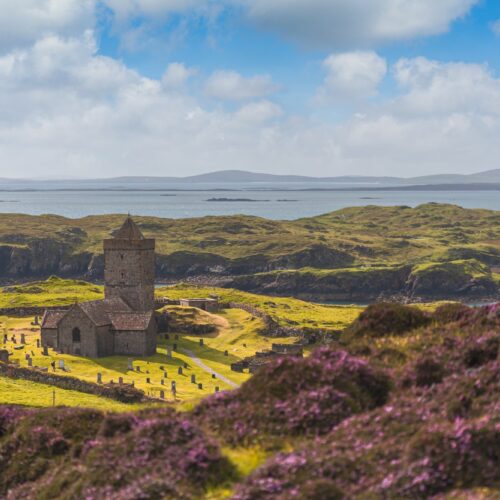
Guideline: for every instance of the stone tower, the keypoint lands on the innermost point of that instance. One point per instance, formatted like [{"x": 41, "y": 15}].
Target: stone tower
[{"x": 129, "y": 267}]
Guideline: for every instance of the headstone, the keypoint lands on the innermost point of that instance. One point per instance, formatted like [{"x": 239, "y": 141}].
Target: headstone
[
  {"x": 174, "y": 347},
  {"x": 167, "y": 336},
  {"x": 45, "y": 350},
  {"x": 193, "y": 379},
  {"x": 5, "y": 338},
  {"x": 162, "y": 394},
  {"x": 214, "y": 375},
  {"x": 179, "y": 371},
  {"x": 23, "y": 338},
  {"x": 30, "y": 361},
  {"x": 165, "y": 375},
  {"x": 185, "y": 365},
  {"x": 217, "y": 388},
  {"x": 200, "y": 386},
  {"x": 148, "y": 380},
  {"x": 162, "y": 381},
  {"x": 169, "y": 353},
  {"x": 162, "y": 368},
  {"x": 120, "y": 380},
  {"x": 138, "y": 368},
  {"x": 61, "y": 364},
  {"x": 26, "y": 356},
  {"x": 226, "y": 353},
  {"x": 38, "y": 343},
  {"x": 4, "y": 356},
  {"x": 99, "y": 378},
  {"x": 37, "y": 320},
  {"x": 130, "y": 365},
  {"x": 244, "y": 345},
  {"x": 202, "y": 343},
  {"x": 173, "y": 388},
  {"x": 14, "y": 340}
]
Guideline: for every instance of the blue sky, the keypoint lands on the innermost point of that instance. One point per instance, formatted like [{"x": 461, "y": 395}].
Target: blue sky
[{"x": 323, "y": 87}]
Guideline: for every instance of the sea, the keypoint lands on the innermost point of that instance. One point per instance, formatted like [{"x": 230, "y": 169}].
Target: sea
[{"x": 279, "y": 201}]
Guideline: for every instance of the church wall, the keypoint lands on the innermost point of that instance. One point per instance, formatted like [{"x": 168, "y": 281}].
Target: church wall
[
  {"x": 49, "y": 337},
  {"x": 136, "y": 343},
  {"x": 87, "y": 346},
  {"x": 105, "y": 341}
]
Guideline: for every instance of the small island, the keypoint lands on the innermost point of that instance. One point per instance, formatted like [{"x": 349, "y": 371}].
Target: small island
[{"x": 234, "y": 200}]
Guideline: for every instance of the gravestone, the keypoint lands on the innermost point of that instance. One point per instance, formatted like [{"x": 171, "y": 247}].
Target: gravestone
[
  {"x": 138, "y": 368},
  {"x": 5, "y": 338},
  {"x": 217, "y": 388},
  {"x": 202, "y": 343},
  {"x": 162, "y": 394},
  {"x": 214, "y": 375},
  {"x": 37, "y": 320},
  {"x": 167, "y": 336},
  {"x": 179, "y": 370},
  {"x": 169, "y": 353},
  {"x": 99, "y": 378},
  {"x": 61, "y": 364},
  {"x": 30, "y": 361},
  {"x": 23, "y": 338},
  {"x": 162, "y": 381},
  {"x": 200, "y": 386},
  {"x": 165, "y": 375},
  {"x": 186, "y": 366},
  {"x": 148, "y": 380},
  {"x": 193, "y": 379},
  {"x": 38, "y": 343},
  {"x": 13, "y": 339},
  {"x": 130, "y": 365},
  {"x": 26, "y": 356},
  {"x": 120, "y": 380},
  {"x": 226, "y": 353},
  {"x": 174, "y": 347},
  {"x": 45, "y": 350},
  {"x": 173, "y": 388},
  {"x": 162, "y": 368},
  {"x": 4, "y": 356}
]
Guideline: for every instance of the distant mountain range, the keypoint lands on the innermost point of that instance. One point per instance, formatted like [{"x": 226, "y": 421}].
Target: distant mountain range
[{"x": 244, "y": 177}]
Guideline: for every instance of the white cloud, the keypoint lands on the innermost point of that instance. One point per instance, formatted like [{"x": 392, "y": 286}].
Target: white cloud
[
  {"x": 125, "y": 9},
  {"x": 177, "y": 74},
  {"x": 22, "y": 22},
  {"x": 347, "y": 23},
  {"x": 258, "y": 112},
  {"x": 352, "y": 75},
  {"x": 231, "y": 86},
  {"x": 495, "y": 27}
]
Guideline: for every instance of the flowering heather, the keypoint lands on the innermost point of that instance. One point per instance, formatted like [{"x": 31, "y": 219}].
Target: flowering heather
[
  {"x": 155, "y": 454},
  {"x": 295, "y": 396}
]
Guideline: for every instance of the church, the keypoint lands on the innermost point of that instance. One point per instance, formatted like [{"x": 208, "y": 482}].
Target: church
[{"x": 124, "y": 322}]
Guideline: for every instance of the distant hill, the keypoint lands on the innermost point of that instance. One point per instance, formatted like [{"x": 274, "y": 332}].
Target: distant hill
[{"x": 245, "y": 177}]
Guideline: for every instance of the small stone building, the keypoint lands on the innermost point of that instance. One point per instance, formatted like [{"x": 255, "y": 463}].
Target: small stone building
[
  {"x": 124, "y": 322},
  {"x": 209, "y": 305}
]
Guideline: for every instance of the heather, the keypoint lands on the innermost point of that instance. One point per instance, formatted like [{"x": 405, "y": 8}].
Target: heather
[
  {"x": 296, "y": 396},
  {"x": 67, "y": 453}
]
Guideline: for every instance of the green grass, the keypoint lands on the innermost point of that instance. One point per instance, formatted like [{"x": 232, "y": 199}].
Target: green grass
[
  {"x": 26, "y": 393},
  {"x": 51, "y": 292}
]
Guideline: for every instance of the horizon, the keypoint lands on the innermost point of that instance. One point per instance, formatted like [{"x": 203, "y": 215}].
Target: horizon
[{"x": 106, "y": 88}]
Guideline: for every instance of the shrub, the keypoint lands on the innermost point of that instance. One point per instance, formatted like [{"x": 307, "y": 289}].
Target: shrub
[
  {"x": 296, "y": 397},
  {"x": 383, "y": 319},
  {"x": 450, "y": 313},
  {"x": 428, "y": 372}
]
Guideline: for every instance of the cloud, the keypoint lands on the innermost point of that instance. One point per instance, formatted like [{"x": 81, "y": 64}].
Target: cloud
[
  {"x": 495, "y": 27},
  {"x": 24, "y": 21},
  {"x": 231, "y": 86},
  {"x": 177, "y": 74},
  {"x": 352, "y": 75},
  {"x": 354, "y": 23},
  {"x": 258, "y": 112}
]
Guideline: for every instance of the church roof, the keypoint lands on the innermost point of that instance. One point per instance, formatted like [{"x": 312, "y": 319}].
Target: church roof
[
  {"x": 99, "y": 311},
  {"x": 51, "y": 318},
  {"x": 135, "y": 321},
  {"x": 128, "y": 231}
]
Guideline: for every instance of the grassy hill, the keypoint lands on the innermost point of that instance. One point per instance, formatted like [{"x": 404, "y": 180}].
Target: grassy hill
[{"x": 360, "y": 239}]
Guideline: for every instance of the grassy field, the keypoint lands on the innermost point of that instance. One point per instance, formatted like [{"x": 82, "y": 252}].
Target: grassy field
[{"x": 236, "y": 332}]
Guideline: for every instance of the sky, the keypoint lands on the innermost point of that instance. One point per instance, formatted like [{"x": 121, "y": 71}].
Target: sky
[{"x": 103, "y": 88}]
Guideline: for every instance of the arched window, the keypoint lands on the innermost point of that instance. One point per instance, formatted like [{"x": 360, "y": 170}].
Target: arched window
[{"x": 76, "y": 334}]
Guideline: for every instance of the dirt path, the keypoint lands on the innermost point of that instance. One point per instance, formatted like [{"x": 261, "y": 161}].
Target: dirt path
[{"x": 203, "y": 366}]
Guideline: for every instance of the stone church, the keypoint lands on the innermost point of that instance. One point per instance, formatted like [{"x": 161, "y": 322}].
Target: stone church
[{"x": 124, "y": 322}]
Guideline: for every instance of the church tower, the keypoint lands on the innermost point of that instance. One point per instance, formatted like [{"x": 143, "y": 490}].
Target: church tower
[{"x": 129, "y": 267}]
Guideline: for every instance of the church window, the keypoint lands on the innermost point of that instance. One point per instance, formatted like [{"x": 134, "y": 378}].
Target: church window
[{"x": 76, "y": 334}]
